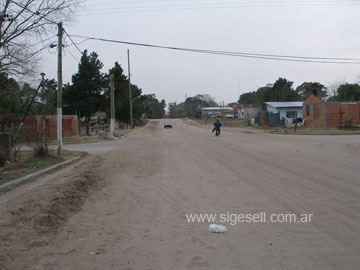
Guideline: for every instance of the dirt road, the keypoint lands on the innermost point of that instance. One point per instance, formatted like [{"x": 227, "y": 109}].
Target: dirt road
[{"x": 126, "y": 208}]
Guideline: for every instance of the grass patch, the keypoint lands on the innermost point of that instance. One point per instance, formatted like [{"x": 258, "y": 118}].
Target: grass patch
[
  {"x": 267, "y": 128},
  {"x": 33, "y": 164},
  {"x": 318, "y": 131}
]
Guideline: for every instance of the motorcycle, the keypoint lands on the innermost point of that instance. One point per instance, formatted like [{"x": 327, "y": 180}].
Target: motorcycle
[{"x": 217, "y": 131}]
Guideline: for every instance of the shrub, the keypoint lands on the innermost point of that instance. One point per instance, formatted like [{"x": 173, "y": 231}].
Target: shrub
[
  {"x": 349, "y": 123},
  {"x": 40, "y": 150},
  {"x": 2, "y": 159}
]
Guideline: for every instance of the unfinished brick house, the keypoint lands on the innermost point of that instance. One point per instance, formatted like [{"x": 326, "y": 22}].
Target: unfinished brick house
[
  {"x": 34, "y": 126},
  {"x": 318, "y": 113}
]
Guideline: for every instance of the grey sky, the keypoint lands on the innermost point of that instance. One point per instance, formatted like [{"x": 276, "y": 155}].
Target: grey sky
[{"x": 304, "y": 30}]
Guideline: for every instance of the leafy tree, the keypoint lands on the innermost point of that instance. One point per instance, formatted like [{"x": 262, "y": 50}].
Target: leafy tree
[
  {"x": 154, "y": 109},
  {"x": 263, "y": 94},
  {"x": 22, "y": 24},
  {"x": 172, "y": 109},
  {"x": 10, "y": 95},
  {"x": 48, "y": 97},
  {"x": 177, "y": 110},
  {"x": 348, "y": 92},
  {"x": 191, "y": 107},
  {"x": 305, "y": 90},
  {"x": 257, "y": 97},
  {"x": 122, "y": 101},
  {"x": 27, "y": 95},
  {"x": 248, "y": 98},
  {"x": 85, "y": 96},
  {"x": 282, "y": 91}
]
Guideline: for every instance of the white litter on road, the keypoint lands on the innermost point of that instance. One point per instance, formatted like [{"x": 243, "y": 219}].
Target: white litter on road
[{"x": 217, "y": 228}]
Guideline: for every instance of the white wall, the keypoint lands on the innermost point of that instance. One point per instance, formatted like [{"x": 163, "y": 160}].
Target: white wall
[{"x": 284, "y": 110}]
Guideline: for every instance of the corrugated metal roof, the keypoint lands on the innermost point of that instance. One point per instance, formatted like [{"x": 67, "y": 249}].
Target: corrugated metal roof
[
  {"x": 218, "y": 109},
  {"x": 285, "y": 104}
]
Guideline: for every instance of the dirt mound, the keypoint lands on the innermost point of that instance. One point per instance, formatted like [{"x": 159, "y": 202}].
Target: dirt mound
[{"x": 64, "y": 204}]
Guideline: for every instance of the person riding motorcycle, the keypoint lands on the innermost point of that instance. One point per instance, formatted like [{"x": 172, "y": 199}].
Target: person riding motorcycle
[{"x": 217, "y": 126}]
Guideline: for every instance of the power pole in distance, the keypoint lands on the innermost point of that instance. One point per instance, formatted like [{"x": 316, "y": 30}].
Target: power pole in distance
[
  {"x": 112, "y": 106},
  {"x": 130, "y": 99},
  {"x": 59, "y": 92}
]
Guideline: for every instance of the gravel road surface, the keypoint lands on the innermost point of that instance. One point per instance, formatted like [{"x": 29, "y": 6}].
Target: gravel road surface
[{"x": 126, "y": 207}]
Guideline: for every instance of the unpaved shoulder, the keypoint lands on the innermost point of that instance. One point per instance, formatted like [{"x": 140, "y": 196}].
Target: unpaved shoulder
[{"x": 32, "y": 219}]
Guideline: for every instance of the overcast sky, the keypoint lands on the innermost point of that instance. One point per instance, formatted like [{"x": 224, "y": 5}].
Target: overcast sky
[{"x": 300, "y": 28}]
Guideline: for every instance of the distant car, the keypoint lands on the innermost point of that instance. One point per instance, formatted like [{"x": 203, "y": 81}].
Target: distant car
[
  {"x": 229, "y": 116},
  {"x": 168, "y": 124}
]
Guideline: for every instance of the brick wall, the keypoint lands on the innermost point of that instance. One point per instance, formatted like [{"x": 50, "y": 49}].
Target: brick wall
[
  {"x": 350, "y": 111},
  {"x": 33, "y": 126},
  {"x": 313, "y": 114},
  {"x": 318, "y": 113}
]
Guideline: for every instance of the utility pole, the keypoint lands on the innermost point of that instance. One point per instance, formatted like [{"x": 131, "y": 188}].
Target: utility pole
[
  {"x": 44, "y": 121},
  {"x": 222, "y": 112},
  {"x": 130, "y": 99},
  {"x": 59, "y": 92},
  {"x": 112, "y": 106},
  {"x": 185, "y": 106}
]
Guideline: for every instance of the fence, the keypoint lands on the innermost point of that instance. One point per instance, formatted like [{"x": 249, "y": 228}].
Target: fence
[
  {"x": 273, "y": 118},
  {"x": 34, "y": 130},
  {"x": 96, "y": 126}
]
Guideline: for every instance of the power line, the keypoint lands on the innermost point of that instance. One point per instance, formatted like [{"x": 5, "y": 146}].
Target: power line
[
  {"x": 219, "y": 3},
  {"x": 327, "y": 60},
  {"x": 68, "y": 50},
  {"x": 42, "y": 17},
  {"x": 200, "y": 6},
  {"x": 72, "y": 41}
]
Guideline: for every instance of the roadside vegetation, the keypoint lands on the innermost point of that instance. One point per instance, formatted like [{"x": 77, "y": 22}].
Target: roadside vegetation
[
  {"x": 29, "y": 163},
  {"x": 283, "y": 90}
]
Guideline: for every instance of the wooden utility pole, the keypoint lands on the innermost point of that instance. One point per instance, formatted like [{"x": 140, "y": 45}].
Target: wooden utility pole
[
  {"x": 130, "y": 99},
  {"x": 112, "y": 105},
  {"x": 59, "y": 92}
]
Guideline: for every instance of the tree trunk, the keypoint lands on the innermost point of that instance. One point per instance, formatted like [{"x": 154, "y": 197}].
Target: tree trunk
[
  {"x": 88, "y": 125},
  {"x": 79, "y": 122}
]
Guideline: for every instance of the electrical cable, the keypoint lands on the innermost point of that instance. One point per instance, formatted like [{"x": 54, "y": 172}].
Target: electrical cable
[
  {"x": 198, "y": 6},
  {"x": 329, "y": 60},
  {"x": 72, "y": 55},
  {"x": 73, "y": 42}
]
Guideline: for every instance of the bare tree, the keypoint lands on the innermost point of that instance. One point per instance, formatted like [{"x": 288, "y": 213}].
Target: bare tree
[
  {"x": 333, "y": 87},
  {"x": 25, "y": 26}
]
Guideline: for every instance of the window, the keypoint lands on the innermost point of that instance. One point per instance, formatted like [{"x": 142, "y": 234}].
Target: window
[
  {"x": 307, "y": 110},
  {"x": 291, "y": 114}
]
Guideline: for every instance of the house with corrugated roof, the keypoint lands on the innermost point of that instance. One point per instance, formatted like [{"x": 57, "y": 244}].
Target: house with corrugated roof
[
  {"x": 213, "y": 112},
  {"x": 280, "y": 110}
]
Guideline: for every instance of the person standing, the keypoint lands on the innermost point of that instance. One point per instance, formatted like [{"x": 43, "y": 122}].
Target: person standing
[{"x": 286, "y": 124}]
